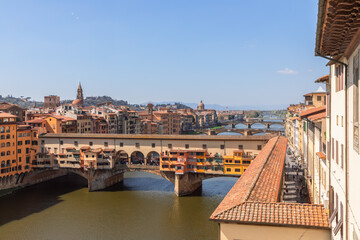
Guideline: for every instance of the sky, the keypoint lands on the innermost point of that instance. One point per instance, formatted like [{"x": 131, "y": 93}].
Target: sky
[{"x": 227, "y": 52}]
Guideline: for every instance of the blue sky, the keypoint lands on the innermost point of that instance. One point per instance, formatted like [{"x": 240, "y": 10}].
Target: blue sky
[{"x": 230, "y": 52}]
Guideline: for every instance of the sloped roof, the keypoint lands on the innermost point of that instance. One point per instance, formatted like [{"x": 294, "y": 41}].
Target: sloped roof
[{"x": 311, "y": 111}]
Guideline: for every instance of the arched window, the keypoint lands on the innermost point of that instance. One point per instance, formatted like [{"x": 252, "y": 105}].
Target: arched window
[
  {"x": 2, "y": 136},
  {"x": 3, "y": 164},
  {"x": 8, "y": 153},
  {"x": 3, "y": 145},
  {"x": 8, "y": 144},
  {"x": 8, "y": 129},
  {"x": 8, "y": 163},
  {"x": 2, "y": 153},
  {"x": 2, "y": 129},
  {"x": 8, "y": 136}
]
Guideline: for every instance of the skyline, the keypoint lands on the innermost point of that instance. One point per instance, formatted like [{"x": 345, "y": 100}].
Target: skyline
[{"x": 185, "y": 51}]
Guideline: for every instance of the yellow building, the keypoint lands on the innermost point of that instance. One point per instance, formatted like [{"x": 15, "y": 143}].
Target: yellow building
[
  {"x": 237, "y": 163},
  {"x": 55, "y": 123}
]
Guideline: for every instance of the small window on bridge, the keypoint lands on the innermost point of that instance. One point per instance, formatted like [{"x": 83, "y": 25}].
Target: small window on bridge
[
  {"x": 76, "y": 143},
  {"x": 137, "y": 145},
  {"x": 222, "y": 146},
  {"x": 228, "y": 169},
  {"x": 186, "y": 146},
  {"x": 237, "y": 170},
  {"x": 61, "y": 142},
  {"x": 204, "y": 146},
  {"x": 106, "y": 144},
  {"x": 90, "y": 144},
  {"x": 259, "y": 147},
  {"x": 153, "y": 145},
  {"x": 170, "y": 146},
  {"x": 121, "y": 144},
  {"x": 241, "y": 147}
]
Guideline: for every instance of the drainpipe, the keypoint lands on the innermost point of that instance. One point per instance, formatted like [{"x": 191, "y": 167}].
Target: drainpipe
[{"x": 346, "y": 144}]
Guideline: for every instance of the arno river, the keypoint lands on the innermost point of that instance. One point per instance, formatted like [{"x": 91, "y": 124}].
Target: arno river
[{"x": 142, "y": 207}]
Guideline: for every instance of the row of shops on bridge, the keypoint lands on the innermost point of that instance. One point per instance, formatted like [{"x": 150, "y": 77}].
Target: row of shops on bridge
[{"x": 179, "y": 161}]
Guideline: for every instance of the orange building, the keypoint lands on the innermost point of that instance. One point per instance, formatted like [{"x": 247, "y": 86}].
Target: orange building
[
  {"x": 198, "y": 161},
  {"x": 8, "y": 144},
  {"x": 27, "y": 147},
  {"x": 55, "y": 123}
]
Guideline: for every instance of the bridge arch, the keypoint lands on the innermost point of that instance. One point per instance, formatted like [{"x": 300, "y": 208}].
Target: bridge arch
[
  {"x": 121, "y": 157},
  {"x": 137, "y": 157},
  {"x": 153, "y": 158}
]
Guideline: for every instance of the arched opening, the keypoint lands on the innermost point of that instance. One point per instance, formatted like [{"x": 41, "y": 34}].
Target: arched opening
[
  {"x": 153, "y": 158},
  {"x": 276, "y": 126},
  {"x": 240, "y": 126},
  {"x": 229, "y": 133},
  {"x": 121, "y": 158},
  {"x": 137, "y": 158},
  {"x": 258, "y": 126}
]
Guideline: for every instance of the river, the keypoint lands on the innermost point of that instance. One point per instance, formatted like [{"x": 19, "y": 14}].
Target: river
[{"x": 142, "y": 207}]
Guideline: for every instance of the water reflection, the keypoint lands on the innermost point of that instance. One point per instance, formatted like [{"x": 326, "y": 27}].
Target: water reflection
[{"x": 142, "y": 207}]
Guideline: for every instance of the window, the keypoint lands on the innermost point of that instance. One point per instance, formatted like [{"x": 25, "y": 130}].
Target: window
[
  {"x": 19, "y": 159},
  {"x": 61, "y": 142},
  {"x": 186, "y": 146},
  {"x": 337, "y": 152},
  {"x": 137, "y": 145},
  {"x": 237, "y": 170},
  {"x": 342, "y": 121},
  {"x": 228, "y": 169},
  {"x": 204, "y": 146},
  {"x": 90, "y": 144},
  {"x": 342, "y": 156},
  {"x": 339, "y": 74},
  {"x": 259, "y": 147},
  {"x": 42, "y": 142},
  {"x": 318, "y": 98},
  {"x": 222, "y": 146},
  {"x": 337, "y": 120},
  {"x": 170, "y": 146},
  {"x": 332, "y": 148},
  {"x": 106, "y": 144},
  {"x": 121, "y": 144},
  {"x": 76, "y": 143},
  {"x": 153, "y": 145},
  {"x": 241, "y": 147},
  {"x": 237, "y": 161}
]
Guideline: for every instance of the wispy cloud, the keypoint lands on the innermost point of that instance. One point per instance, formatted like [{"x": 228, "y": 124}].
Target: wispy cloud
[
  {"x": 76, "y": 17},
  {"x": 287, "y": 71}
]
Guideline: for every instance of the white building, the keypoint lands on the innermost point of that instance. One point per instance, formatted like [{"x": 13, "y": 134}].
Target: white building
[{"x": 338, "y": 35}]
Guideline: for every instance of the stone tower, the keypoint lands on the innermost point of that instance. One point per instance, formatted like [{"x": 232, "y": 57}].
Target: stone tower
[{"x": 79, "y": 97}]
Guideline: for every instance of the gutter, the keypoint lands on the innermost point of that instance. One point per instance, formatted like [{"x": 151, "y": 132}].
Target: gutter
[{"x": 346, "y": 142}]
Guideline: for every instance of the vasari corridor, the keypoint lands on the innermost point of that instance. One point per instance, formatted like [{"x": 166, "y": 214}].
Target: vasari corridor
[{"x": 180, "y": 120}]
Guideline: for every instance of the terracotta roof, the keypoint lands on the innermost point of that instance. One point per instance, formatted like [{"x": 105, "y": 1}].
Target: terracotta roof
[
  {"x": 317, "y": 116},
  {"x": 312, "y": 111},
  {"x": 337, "y": 25},
  {"x": 254, "y": 197},
  {"x": 242, "y": 188},
  {"x": 305, "y": 215},
  {"x": 36, "y": 120},
  {"x": 109, "y": 149},
  {"x": 85, "y": 147},
  {"x": 321, "y": 155},
  {"x": 322, "y": 79},
  {"x": 7, "y": 115}
]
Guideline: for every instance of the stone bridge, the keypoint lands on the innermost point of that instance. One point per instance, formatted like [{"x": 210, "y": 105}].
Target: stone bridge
[{"x": 184, "y": 184}]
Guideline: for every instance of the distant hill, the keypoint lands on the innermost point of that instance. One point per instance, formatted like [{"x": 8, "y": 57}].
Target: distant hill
[
  {"x": 93, "y": 101},
  {"x": 21, "y": 101}
]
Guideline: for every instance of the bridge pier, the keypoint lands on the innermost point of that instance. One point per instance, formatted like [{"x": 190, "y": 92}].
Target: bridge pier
[
  {"x": 267, "y": 125},
  {"x": 187, "y": 183},
  {"x": 212, "y": 132},
  {"x": 248, "y": 125},
  {"x": 98, "y": 180}
]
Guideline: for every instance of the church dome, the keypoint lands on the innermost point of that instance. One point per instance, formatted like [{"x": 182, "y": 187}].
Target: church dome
[{"x": 78, "y": 102}]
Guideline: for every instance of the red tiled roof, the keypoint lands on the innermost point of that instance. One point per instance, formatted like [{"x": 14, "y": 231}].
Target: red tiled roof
[
  {"x": 276, "y": 213},
  {"x": 254, "y": 197},
  {"x": 322, "y": 79},
  {"x": 317, "y": 116},
  {"x": 242, "y": 188},
  {"x": 36, "y": 120},
  {"x": 312, "y": 111},
  {"x": 7, "y": 115}
]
